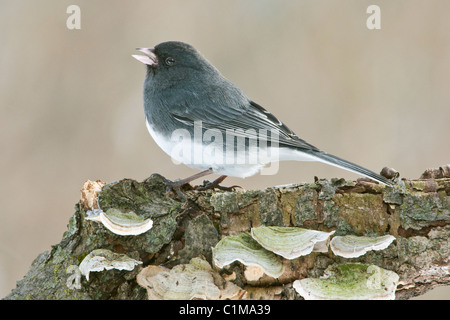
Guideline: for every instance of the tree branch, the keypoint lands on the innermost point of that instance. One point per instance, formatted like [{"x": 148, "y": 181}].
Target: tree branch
[{"x": 416, "y": 213}]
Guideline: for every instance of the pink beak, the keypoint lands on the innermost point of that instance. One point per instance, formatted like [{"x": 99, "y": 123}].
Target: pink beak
[{"x": 149, "y": 58}]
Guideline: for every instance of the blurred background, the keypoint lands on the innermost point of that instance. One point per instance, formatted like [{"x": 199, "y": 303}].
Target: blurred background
[{"x": 71, "y": 100}]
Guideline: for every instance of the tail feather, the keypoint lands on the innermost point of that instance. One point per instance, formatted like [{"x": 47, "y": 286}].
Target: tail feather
[{"x": 347, "y": 165}]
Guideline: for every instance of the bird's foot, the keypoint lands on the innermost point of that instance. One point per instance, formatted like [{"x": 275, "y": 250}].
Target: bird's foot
[{"x": 207, "y": 185}]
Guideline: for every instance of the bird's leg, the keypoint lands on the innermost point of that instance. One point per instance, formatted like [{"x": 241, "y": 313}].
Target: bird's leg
[
  {"x": 176, "y": 185},
  {"x": 215, "y": 184},
  {"x": 181, "y": 182}
]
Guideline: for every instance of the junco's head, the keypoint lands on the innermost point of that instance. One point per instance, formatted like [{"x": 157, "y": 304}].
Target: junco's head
[{"x": 173, "y": 59}]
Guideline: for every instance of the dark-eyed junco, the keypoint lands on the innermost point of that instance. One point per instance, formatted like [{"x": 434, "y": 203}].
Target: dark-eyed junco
[{"x": 203, "y": 120}]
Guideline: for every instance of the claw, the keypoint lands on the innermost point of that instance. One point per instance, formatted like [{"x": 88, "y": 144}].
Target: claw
[{"x": 215, "y": 185}]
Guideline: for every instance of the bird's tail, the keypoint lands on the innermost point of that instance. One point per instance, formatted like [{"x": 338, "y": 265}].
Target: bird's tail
[{"x": 344, "y": 164}]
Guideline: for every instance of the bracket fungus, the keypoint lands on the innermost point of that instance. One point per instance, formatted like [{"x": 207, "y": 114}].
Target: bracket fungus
[
  {"x": 124, "y": 224},
  {"x": 351, "y": 246},
  {"x": 352, "y": 281},
  {"x": 103, "y": 259},
  {"x": 291, "y": 242},
  {"x": 243, "y": 248},
  {"x": 196, "y": 280}
]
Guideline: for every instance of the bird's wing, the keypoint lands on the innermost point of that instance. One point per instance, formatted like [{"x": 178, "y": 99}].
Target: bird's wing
[
  {"x": 227, "y": 114},
  {"x": 249, "y": 115}
]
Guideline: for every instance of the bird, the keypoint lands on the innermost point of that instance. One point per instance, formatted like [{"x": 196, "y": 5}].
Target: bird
[{"x": 203, "y": 120}]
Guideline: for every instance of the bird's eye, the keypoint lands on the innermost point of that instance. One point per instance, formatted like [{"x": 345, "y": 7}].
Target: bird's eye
[{"x": 170, "y": 61}]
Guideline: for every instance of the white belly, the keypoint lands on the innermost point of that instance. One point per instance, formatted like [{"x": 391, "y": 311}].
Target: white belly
[{"x": 197, "y": 156}]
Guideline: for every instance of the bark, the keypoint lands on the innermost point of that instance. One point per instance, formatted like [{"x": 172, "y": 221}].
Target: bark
[{"x": 416, "y": 212}]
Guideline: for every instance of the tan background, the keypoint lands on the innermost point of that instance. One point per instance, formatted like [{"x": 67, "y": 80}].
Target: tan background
[{"x": 71, "y": 100}]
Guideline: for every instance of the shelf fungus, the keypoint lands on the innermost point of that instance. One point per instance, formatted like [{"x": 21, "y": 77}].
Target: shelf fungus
[
  {"x": 245, "y": 249},
  {"x": 354, "y": 246},
  {"x": 103, "y": 259},
  {"x": 291, "y": 242},
  {"x": 118, "y": 222},
  {"x": 196, "y": 280},
  {"x": 352, "y": 281}
]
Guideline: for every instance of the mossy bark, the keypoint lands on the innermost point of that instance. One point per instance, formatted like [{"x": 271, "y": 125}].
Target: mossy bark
[{"x": 416, "y": 212}]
